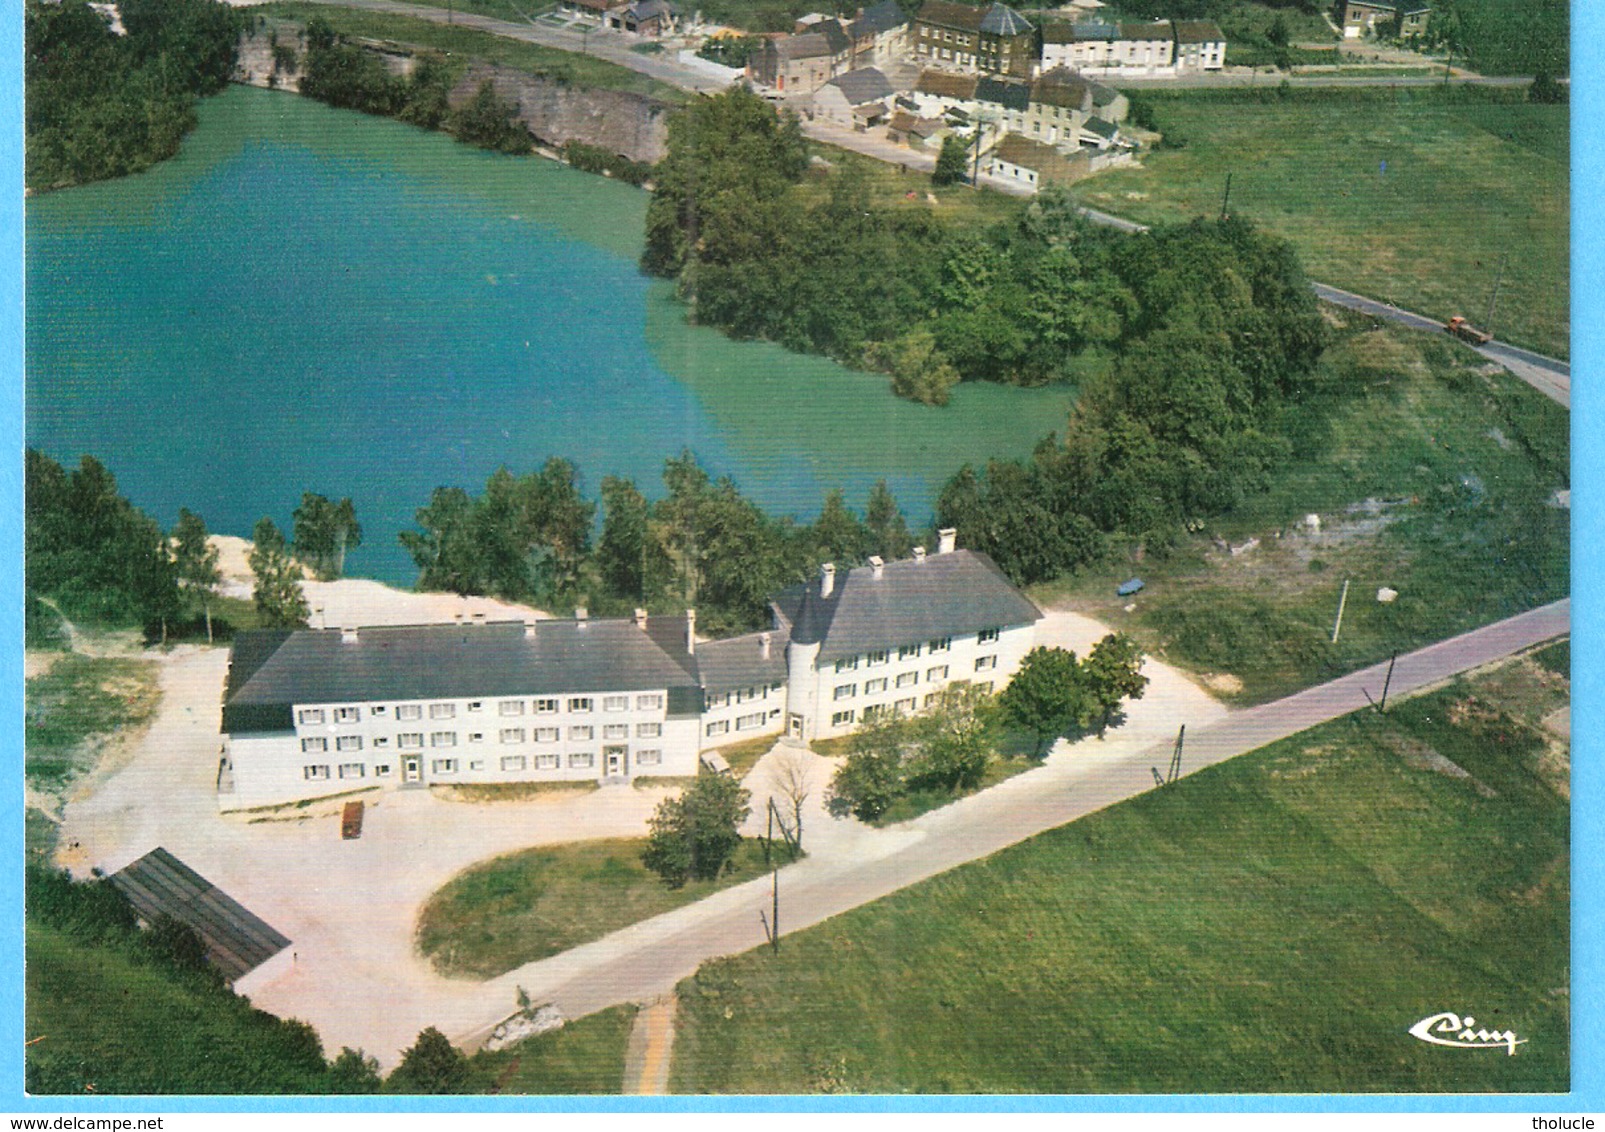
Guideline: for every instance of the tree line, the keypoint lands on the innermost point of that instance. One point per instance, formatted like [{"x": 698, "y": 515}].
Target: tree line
[
  {"x": 101, "y": 105},
  {"x": 702, "y": 544},
  {"x": 341, "y": 73},
  {"x": 761, "y": 252}
]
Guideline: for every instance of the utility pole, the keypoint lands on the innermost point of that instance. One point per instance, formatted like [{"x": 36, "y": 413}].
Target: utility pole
[
  {"x": 1342, "y": 600},
  {"x": 1226, "y": 197},
  {"x": 1493, "y": 300},
  {"x": 1386, "y": 680}
]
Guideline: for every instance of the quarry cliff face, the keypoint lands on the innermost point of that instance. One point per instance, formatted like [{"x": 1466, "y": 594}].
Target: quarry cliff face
[
  {"x": 633, "y": 126},
  {"x": 630, "y": 125}
]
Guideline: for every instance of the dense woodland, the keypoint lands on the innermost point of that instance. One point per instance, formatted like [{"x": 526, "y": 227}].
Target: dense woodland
[{"x": 103, "y": 105}]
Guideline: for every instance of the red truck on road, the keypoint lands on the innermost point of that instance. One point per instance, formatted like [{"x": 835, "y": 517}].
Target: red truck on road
[{"x": 1466, "y": 332}]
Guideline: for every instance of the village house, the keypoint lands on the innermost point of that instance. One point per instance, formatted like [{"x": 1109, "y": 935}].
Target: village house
[
  {"x": 956, "y": 37},
  {"x": 802, "y": 62},
  {"x": 1367, "y": 17},
  {"x": 1200, "y": 46},
  {"x": 313, "y": 712},
  {"x": 942, "y": 94},
  {"x": 906, "y": 127},
  {"x": 1060, "y": 102},
  {"x": 856, "y": 99},
  {"x": 645, "y": 17},
  {"x": 879, "y": 36},
  {"x": 1027, "y": 162}
]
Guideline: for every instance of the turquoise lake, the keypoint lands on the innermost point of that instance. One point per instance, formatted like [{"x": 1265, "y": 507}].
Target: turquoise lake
[{"x": 307, "y": 299}]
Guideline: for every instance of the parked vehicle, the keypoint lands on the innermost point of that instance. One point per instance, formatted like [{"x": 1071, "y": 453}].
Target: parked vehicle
[{"x": 1466, "y": 332}]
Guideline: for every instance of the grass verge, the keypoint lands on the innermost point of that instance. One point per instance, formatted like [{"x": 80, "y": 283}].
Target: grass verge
[
  {"x": 525, "y": 906},
  {"x": 585, "y": 1056},
  {"x": 510, "y": 791},
  {"x": 1277, "y": 923},
  {"x": 743, "y": 756},
  {"x": 1435, "y": 479},
  {"x": 1474, "y": 177}
]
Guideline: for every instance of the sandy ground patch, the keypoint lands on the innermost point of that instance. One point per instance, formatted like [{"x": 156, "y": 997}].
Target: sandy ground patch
[{"x": 355, "y": 602}]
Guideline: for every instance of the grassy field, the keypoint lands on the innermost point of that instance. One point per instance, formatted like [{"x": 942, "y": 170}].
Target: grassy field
[
  {"x": 1434, "y": 479},
  {"x": 1274, "y": 924},
  {"x": 528, "y": 905},
  {"x": 1516, "y": 37},
  {"x": 564, "y": 66},
  {"x": 1474, "y": 178},
  {"x": 585, "y": 1056},
  {"x": 75, "y": 706},
  {"x": 108, "y": 1024}
]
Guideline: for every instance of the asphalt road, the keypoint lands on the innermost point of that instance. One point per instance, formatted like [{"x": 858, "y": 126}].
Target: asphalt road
[{"x": 618, "y": 972}]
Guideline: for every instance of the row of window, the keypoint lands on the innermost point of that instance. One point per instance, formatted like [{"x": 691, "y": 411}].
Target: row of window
[
  {"x": 652, "y": 701},
  {"x": 897, "y": 707},
  {"x": 415, "y": 739},
  {"x": 911, "y": 652},
  {"x": 743, "y": 723},
  {"x": 944, "y": 36},
  {"x": 577, "y": 760},
  {"x": 739, "y": 696},
  {"x": 908, "y": 679}
]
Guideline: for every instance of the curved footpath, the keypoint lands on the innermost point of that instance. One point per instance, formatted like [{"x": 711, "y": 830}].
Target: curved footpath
[{"x": 616, "y": 969}]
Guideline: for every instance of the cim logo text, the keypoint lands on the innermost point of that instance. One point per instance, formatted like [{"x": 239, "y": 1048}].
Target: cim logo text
[{"x": 1449, "y": 1029}]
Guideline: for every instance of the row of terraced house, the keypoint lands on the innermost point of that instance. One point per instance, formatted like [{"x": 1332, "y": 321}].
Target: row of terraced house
[
  {"x": 312, "y": 712},
  {"x": 995, "y": 40}
]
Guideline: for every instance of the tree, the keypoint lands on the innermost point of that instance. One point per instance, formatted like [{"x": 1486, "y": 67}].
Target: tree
[
  {"x": 888, "y": 530},
  {"x": 870, "y": 778},
  {"x": 1047, "y": 696},
  {"x": 920, "y": 372},
  {"x": 694, "y": 835},
  {"x": 621, "y": 552},
  {"x": 433, "y": 1065},
  {"x": 1112, "y": 673},
  {"x": 791, "y": 776},
  {"x": 196, "y": 562},
  {"x": 1546, "y": 89},
  {"x": 952, "y": 163},
  {"x": 277, "y": 593},
  {"x": 490, "y": 123},
  {"x": 353, "y": 1072},
  {"x": 837, "y": 534},
  {"x": 323, "y": 532},
  {"x": 952, "y": 741}
]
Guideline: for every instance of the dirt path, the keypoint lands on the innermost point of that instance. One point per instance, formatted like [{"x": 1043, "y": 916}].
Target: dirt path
[{"x": 647, "y": 1059}]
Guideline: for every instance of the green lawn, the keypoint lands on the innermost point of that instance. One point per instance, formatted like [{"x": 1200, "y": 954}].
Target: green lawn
[
  {"x": 1274, "y": 924},
  {"x": 525, "y": 906},
  {"x": 108, "y": 1024},
  {"x": 564, "y": 66},
  {"x": 1462, "y": 465},
  {"x": 1516, "y": 37},
  {"x": 1473, "y": 177},
  {"x": 585, "y": 1056}
]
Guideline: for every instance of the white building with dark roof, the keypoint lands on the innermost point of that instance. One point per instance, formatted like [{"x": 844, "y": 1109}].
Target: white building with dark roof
[{"x": 309, "y": 713}]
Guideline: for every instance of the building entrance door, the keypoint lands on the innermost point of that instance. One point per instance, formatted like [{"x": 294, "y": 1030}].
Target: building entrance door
[
  {"x": 411, "y": 769},
  {"x": 614, "y": 759},
  {"x": 794, "y": 726}
]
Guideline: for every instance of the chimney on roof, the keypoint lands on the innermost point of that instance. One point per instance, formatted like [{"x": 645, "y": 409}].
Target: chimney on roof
[
  {"x": 919, "y": 554},
  {"x": 691, "y": 632},
  {"x": 763, "y": 644},
  {"x": 946, "y": 540},
  {"x": 640, "y": 619},
  {"x": 827, "y": 579},
  {"x": 529, "y": 630},
  {"x": 348, "y": 635},
  {"x": 876, "y": 565}
]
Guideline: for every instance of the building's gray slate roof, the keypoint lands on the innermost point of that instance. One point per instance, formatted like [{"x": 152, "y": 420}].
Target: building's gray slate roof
[
  {"x": 1103, "y": 129},
  {"x": 809, "y": 45},
  {"x": 1198, "y": 31},
  {"x": 835, "y": 35},
  {"x": 1000, "y": 19},
  {"x": 883, "y": 17},
  {"x": 738, "y": 662},
  {"x": 866, "y": 84},
  {"x": 1083, "y": 31},
  {"x": 1061, "y": 86},
  {"x": 957, "y": 16},
  {"x": 424, "y": 662},
  {"x": 962, "y": 591},
  {"x": 945, "y": 85},
  {"x": 1000, "y": 92},
  {"x": 1159, "y": 29},
  {"x": 159, "y": 884}
]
